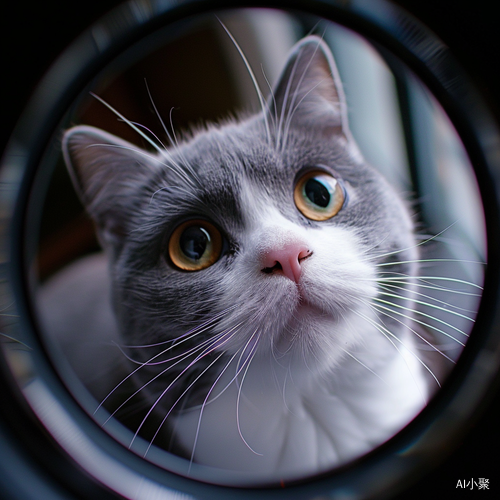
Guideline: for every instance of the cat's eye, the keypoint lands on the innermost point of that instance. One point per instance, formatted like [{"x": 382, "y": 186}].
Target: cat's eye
[
  {"x": 195, "y": 245},
  {"x": 318, "y": 195}
]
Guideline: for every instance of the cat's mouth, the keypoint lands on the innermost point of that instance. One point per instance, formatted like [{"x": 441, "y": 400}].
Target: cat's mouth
[{"x": 307, "y": 310}]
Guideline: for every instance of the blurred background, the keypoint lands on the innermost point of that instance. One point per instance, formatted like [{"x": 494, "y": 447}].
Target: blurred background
[
  {"x": 195, "y": 75},
  {"x": 192, "y": 74}
]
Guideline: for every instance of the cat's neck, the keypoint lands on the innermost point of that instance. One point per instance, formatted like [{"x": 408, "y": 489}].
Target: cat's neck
[{"x": 269, "y": 424}]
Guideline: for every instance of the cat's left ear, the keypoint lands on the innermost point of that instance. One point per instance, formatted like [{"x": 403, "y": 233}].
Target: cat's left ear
[{"x": 309, "y": 92}]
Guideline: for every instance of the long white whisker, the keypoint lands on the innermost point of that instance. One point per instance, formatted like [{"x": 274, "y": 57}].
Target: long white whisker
[
  {"x": 206, "y": 352},
  {"x": 206, "y": 402},
  {"x": 180, "y": 358},
  {"x": 175, "y": 168},
  {"x": 392, "y": 286},
  {"x": 172, "y": 407},
  {"x": 420, "y": 313},
  {"x": 163, "y": 152},
  {"x": 422, "y": 338},
  {"x": 293, "y": 107},
  {"x": 175, "y": 345},
  {"x": 423, "y": 323},
  {"x": 388, "y": 334},
  {"x": 420, "y": 261},
  {"x": 363, "y": 365},
  {"x": 158, "y": 375},
  {"x": 140, "y": 125},
  {"x": 427, "y": 304},
  {"x": 128, "y": 122},
  {"x": 196, "y": 331},
  {"x": 263, "y": 104},
  {"x": 204, "y": 405},
  {"x": 150, "y": 361},
  {"x": 229, "y": 334},
  {"x": 423, "y": 242},
  {"x": 395, "y": 277},
  {"x": 247, "y": 361},
  {"x": 171, "y": 137}
]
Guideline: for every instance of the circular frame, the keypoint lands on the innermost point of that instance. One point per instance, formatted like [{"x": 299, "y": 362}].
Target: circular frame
[{"x": 76, "y": 441}]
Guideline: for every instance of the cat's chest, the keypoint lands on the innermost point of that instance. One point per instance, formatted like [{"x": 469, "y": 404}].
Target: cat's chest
[{"x": 276, "y": 427}]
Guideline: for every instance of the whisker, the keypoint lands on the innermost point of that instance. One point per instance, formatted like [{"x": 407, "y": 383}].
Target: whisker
[
  {"x": 144, "y": 364},
  {"x": 427, "y": 304},
  {"x": 229, "y": 334},
  {"x": 423, "y": 323},
  {"x": 420, "y": 261},
  {"x": 204, "y": 405},
  {"x": 128, "y": 122},
  {"x": 171, "y": 408},
  {"x": 416, "y": 311},
  {"x": 425, "y": 241},
  {"x": 363, "y": 365},
  {"x": 263, "y": 104},
  {"x": 140, "y": 125},
  {"x": 427, "y": 286},
  {"x": 180, "y": 359},
  {"x": 198, "y": 329},
  {"x": 422, "y": 338},
  {"x": 206, "y": 402},
  {"x": 163, "y": 152},
  {"x": 248, "y": 361},
  {"x": 424, "y": 278},
  {"x": 192, "y": 349},
  {"x": 172, "y": 138},
  {"x": 207, "y": 351},
  {"x": 175, "y": 168},
  {"x": 13, "y": 339},
  {"x": 388, "y": 334}
]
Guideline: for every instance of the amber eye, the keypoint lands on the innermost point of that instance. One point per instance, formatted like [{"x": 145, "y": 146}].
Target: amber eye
[
  {"x": 318, "y": 195},
  {"x": 195, "y": 245}
]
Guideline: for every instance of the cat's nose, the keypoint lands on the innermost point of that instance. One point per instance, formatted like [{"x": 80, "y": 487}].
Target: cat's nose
[{"x": 286, "y": 260}]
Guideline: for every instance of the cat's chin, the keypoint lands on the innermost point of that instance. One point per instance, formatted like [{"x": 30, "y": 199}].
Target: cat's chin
[
  {"x": 316, "y": 342},
  {"x": 296, "y": 329},
  {"x": 307, "y": 311}
]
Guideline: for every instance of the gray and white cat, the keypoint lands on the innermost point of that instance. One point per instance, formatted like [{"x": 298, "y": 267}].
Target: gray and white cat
[{"x": 241, "y": 275}]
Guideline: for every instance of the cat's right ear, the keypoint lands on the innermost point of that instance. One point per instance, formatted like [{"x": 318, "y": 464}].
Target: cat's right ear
[
  {"x": 309, "y": 92},
  {"x": 106, "y": 172}
]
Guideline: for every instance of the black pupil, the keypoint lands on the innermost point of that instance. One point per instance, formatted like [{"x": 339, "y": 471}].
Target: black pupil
[
  {"x": 193, "y": 242},
  {"x": 317, "y": 193}
]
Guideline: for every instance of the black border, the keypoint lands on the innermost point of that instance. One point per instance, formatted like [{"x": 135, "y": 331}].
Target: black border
[{"x": 473, "y": 42}]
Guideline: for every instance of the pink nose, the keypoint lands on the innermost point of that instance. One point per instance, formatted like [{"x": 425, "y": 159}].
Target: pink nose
[{"x": 286, "y": 260}]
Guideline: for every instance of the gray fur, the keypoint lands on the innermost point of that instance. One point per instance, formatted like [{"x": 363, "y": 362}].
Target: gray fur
[{"x": 137, "y": 198}]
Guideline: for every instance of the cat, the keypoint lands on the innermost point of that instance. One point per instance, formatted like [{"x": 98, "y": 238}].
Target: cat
[{"x": 244, "y": 278}]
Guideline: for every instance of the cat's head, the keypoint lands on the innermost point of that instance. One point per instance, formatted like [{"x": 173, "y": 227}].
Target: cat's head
[{"x": 261, "y": 237}]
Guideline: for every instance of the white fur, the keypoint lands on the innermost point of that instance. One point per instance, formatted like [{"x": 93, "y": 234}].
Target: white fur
[
  {"x": 297, "y": 319},
  {"x": 285, "y": 407},
  {"x": 276, "y": 429}
]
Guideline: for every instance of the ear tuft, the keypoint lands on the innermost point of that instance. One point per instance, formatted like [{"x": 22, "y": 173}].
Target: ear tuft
[
  {"x": 106, "y": 172},
  {"x": 309, "y": 92}
]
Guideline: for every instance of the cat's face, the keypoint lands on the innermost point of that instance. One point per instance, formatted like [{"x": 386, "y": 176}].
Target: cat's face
[{"x": 259, "y": 239}]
